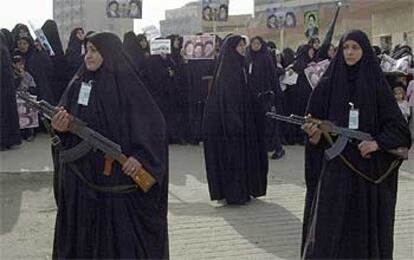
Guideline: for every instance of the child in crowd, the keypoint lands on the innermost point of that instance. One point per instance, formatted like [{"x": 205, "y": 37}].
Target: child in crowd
[{"x": 399, "y": 94}]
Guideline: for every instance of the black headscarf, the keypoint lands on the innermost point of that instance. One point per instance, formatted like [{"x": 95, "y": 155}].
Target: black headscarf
[
  {"x": 20, "y": 31},
  {"x": 51, "y": 32},
  {"x": 142, "y": 37},
  {"x": 288, "y": 57},
  {"x": 73, "y": 52},
  {"x": 8, "y": 39},
  {"x": 133, "y": 48},
  {"x": 302, "y": 58}
]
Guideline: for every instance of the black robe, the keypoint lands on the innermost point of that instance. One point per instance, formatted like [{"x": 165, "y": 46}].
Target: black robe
[
  {"x": 40, "y": 66},
  {"x": 235, "y": 161},
  {"x": 92, "y": 224},
  {"x": 264, "y": 84},
  {"x": 132, "y": 47},
  {"x": 198, "y": 73},
  {"x": 73, "y": 54},
  {"x": 346, "y": 216},
  {"x": 296, "y": 96},
  {"x": 60, "y": 76},
  {"x": 9, "y": 118}
]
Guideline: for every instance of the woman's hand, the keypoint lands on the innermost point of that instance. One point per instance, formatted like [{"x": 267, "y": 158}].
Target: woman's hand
[
  {"x": 131, "y": 167},
  {"x": 313, "y": 132},
  {"x": 368, "y": 147},
  {"x": 62, "y": 120}
]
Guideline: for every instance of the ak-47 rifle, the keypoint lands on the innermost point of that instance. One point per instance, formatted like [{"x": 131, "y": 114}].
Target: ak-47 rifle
[
  {"x": 344, "y": 134},
  {"x": 112, "y": 150}
]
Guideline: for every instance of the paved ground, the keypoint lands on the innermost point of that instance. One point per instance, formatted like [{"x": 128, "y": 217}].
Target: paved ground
[{"x": 267, "y": 228}]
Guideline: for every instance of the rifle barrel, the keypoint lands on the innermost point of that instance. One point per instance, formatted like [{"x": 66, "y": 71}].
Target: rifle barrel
[{"x": 289, "y": 119}]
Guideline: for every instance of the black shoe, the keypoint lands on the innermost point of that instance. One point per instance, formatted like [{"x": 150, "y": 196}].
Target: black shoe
[{"x": 279, "y": 154}]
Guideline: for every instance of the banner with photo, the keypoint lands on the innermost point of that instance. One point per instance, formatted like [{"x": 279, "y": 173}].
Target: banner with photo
[
  {"x": 28, "y": 117},
  {"x": 311, "y": 24},
  {"x": 161, "y": 46},
  {"x": 315, "y": 71},
  {"x": 124, "y": 9},
  {"x": 215, "y": 10},
  {"x": 395, "y": 67},
  {"x": 198, "y": 47},
  {"x": 278, "y": 18}
]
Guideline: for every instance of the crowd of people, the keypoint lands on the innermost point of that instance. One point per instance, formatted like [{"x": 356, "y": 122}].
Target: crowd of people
[{"x": 144, "y": 102}]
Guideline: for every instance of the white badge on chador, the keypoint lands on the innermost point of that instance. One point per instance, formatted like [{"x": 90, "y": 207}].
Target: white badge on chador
[
  {"x": 353, "y": 117},
  {"x": 85, "y": 93},
  {"x": 250, "y": 68}
]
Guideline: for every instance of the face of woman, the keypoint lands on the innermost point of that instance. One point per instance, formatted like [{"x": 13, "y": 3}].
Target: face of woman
[
  {"x": 143, "y": 44},
  {"x": 241, "y": 48},
  {"x": 23, "y": 46},
  {"x": 198, "y": 51},
  {"x": 256, "y": 45},
  {"x": 316, "y": 44},
  {"x": 177, "y": 43},
  {"x": 93, "y": 59},
  {"x": 331, "y": 52},
  {"x": 352, "y": 52},
  {"x": 311, "y": 53},
  {"x": 189, "y": 49}
]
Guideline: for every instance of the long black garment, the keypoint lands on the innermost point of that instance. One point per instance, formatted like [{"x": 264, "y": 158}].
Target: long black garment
[
  {"x": 178, "y": 95},
  {"x": 346, "y": 216},
  {"x": 132, "y": 47},
  {"x": 9, "y": 119},
  {"x": 39, "y": 65},
  {"x": 264, "y": 84},
  {"x": 60, "y": 77},
  {"x": 296, "y": 96},
  {"x": 198, "y": 72},
  {"x": 92, "y": 224},
  {"x": 236, "y": 166},
  {"x": 73, "y": 54}
]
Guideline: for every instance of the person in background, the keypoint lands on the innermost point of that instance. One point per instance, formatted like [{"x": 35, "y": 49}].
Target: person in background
[
  {"x": 399, "y": 94},
  {"x": 74, "y": 53}
]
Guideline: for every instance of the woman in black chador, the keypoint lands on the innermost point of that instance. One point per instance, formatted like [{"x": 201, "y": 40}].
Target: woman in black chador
[
  {"x": 133, "y": 48},
  {"x": 264, "y": 84},
  {"x": 235, "y": 163},
  {"x": 9, "y": 119},
  {"x": 347, "y": 215},
  {"x": 296, "y": 96},
  {"x": 60, "y": 75},
  {"x": 74, "y": 53},
  {"x": 110, "y": 97}
]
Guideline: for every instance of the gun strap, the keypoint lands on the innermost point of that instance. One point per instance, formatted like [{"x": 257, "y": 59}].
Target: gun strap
[{"x": 394, "y": 165}]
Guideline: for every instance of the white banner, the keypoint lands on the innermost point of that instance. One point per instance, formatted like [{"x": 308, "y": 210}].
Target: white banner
[{"x": 162, "y": 46}]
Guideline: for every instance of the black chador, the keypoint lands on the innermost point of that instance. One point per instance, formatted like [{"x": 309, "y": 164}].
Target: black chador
[
  {"x": 236, "y": 166},
  {"x": 73, "y": 52},
  {"x": 59, "y": 78},
  {"x": 296, "y": 96},
  {"x": 9, "y": 119},
  {"x": 264, "y": 84},
  {"x": 134, "y": 50},
  {"x": 346, "y": 215},
  {"x": 94, "y": 224}
]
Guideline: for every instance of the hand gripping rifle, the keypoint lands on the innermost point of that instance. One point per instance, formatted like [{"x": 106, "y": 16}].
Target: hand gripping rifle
[
  {"x": 112, "y": 150},
  {"x": 344, "y": 134}
]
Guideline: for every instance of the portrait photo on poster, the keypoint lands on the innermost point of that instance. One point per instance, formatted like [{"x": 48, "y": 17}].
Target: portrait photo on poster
[
  {"x": 198, "y": 47},
  {"x": 28, "y": 117},
  {"x": 278, "y": 18},
  {"x": 215, "y": 10},
  {"x": 124, "y": 9},
  {"x": 311, "y": 24}
]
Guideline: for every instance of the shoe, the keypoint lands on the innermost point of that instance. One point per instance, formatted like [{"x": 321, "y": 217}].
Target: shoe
[{"x": 279, "y": 154}]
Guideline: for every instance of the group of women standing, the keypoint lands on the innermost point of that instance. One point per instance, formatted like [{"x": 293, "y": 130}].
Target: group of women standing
[{"x": 143, "y": 102}]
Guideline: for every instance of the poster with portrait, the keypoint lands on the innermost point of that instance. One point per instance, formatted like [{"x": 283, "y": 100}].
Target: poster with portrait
[
  {"x": 395, "y": 67},
  {"x": 28, "y": 117},
  {"x": 315, "y": 71},
  {"x": 161, "y": 46},
  {"x": 215, "y": 10},
  {"x": 124, "y": 9},
  {"x": 311, "y": 24},
  {"x": 198, "y": 47},
  {"x": 278, "y": 18}
]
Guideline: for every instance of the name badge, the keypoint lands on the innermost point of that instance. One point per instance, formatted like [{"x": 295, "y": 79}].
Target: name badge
[
  {"x": 250, "y": 68},
  {"x": 84, "y": 94},
  {"x": 353, "y": 119}
]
